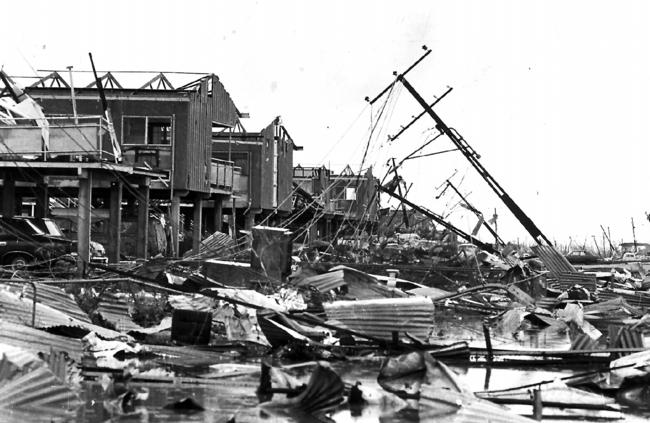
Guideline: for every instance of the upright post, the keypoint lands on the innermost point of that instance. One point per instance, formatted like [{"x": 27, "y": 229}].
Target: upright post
[
  {"x": 114, "y": 221},
  {"x": 8, "y": 195},
  {"x": 175, "y": 217},
  {"x": 197, "y": 223},
  {"x": 83, "y": 220},
  {"x": 42, "y": 200},
  {"x": 538, "y": 405},
  {"x": 74, "y": 100},
  {"x": 233, "y": 220},
  {"x": 250, "y": 221},
  {"x": 218, "y": 212},
  {"x": 142, "y": 240}
]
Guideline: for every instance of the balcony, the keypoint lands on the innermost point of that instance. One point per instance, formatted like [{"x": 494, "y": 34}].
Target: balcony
[
  {"x": 347, "y": 207},
  {"x": 85, "y": 137},
  {"x": 222, "y": 175},
  {"x": 300, "y": 172}
]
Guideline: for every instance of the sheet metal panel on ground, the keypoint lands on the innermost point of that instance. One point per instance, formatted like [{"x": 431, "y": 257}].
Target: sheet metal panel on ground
[{"x": 381, "y": 317}]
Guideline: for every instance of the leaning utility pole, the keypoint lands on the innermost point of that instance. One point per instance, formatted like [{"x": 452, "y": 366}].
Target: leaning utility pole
[
  {"x": 478, "y": 214},
  {"x": 461, "y": 144},
  {"x": 440, "y": 220},
  {"x": 473, "y": 157},
  {"x": 609, "y": 240}
]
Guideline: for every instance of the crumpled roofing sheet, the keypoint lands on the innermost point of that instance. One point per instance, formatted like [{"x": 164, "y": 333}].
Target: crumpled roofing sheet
[
  {"x": 115, "y": 310},
  {"x": 54, "y": 297},
  {"x": 555, "y": 262},
  {"x": 38, "y": 341},
  {"x": 446, "y": 405},
  {"x": 30, "y": 386},
  {"x": 380, "y": 317},
  {"x": 325, "y": 282},
  {"x": 19, "y": 310},
  {"x": 194, "y": 302}
]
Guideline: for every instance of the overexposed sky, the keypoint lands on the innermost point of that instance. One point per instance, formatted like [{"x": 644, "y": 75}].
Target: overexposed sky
[{"x": 554, "y": 95}]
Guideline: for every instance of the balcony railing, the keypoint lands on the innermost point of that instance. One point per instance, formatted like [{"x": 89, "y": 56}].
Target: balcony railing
[
  {"x": 342, "y": 206},
  {"x": 83, "y": 136},
  {"x": 222, "y": 174},
  {"x": 307, "y": 172}
]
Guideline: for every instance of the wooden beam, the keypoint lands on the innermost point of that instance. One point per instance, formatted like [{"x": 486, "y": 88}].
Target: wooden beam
[
  {"x": 249, "y": 221},
  {"x": 175, "y": 218},
  {"x": 115, "y": 222},
  {"x": 233, "y": 220},
  {"x": 197, "y": 223},
  {"x": 83, "y": 220},
  {"x": 218, "y": 212},
  {"x": 42, "y": 200},
  {"x": 8, "y": 195},
  {"x": 143, "y": 222}
]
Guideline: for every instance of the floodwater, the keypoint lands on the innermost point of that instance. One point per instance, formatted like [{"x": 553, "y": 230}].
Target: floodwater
[
  {"x": 235, "y": 397},
  {"x": 225, "y": 398}
]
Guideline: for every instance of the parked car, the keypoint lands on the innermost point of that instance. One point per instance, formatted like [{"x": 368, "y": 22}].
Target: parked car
[
  {"x": 582, "y": 257},
  {"x": 50, "y": 227},
  {"x": 26, "y": 241},
  {"x": 23, "y": 243}
]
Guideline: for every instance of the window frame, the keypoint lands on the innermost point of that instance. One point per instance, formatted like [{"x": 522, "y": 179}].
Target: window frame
[{"x": 146, "y": 129}]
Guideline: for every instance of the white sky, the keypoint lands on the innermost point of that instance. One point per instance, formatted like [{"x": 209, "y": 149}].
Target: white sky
[{"x": 554, "y": 95}]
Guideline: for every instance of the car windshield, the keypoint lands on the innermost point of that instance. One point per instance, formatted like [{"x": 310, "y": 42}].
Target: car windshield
[
  {"x": 52, "y": 228},
  {"x": 34, "y": 228}
]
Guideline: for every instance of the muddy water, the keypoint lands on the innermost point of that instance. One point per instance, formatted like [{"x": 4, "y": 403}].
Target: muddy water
[
  {"x": 225, "y": 398},
  {"x": 236, "y": 396}
]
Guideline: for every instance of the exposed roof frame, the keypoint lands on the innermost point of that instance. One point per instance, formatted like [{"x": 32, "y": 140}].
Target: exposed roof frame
[
  {"x": 162, "y": 83},
  {"x": 108, "y": 81},
  {"x": 54, "y": 78}
]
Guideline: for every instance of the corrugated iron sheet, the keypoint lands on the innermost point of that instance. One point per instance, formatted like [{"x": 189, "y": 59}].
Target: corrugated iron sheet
[
  {"x": 115, "y": 310},
  {"x": 555, "y": 262},
  {"x": 566, "y": 280},
  {"x": 19, "y": 310},
  {"x": 36, "y": 390},
  {"x": 637, "y": 299},
  {"x": 381, "y": 317},
  {"x": 583, "y": 342},
  {"x": 627, "y": 338},
  {"x": 616, "y": 305},
  {"x": 216, "y": 245},
  {"x": 196, "y": 303},
  {"x": 325, "y": 282},
  {"x": 359, "y": 284},
  {"x": 38, "y": 341},
  {"x": 438, "y": 404},
  {"x": 56, "y": 298}
]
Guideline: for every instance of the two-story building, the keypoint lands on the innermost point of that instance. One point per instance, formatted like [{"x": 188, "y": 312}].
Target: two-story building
[
  {"x": 331, "y": 204},
  {"x": 163, "y": 133},
  {"x": 264, "y": 161}
]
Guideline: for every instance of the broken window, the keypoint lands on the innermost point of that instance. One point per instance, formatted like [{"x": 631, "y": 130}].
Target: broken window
[
  {"x": 350, "y": 193},
  {"x": 159, "y": 130},
  {"x": 152, "y": 130}
]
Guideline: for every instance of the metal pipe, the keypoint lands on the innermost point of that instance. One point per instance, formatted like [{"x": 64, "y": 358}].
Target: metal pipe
[
  {"x": 74, "y": 100},
  {"x": 33, "y": 305}
]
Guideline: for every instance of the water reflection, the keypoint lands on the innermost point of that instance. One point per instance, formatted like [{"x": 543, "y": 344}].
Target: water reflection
[{"x": 236, "y": 396}]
